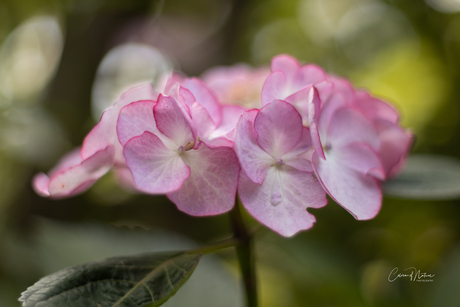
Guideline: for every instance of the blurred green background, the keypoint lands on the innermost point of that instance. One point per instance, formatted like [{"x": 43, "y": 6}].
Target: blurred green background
[{"x": 64, "y": 61}]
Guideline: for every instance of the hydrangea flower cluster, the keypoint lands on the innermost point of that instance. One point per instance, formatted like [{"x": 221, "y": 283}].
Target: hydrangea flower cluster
[{"x": 282, "y": 139}]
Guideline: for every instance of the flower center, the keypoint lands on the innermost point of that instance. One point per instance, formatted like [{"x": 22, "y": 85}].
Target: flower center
[
  {"x": 327, "y": 147},
  {"x": 279, "y": 162},
  {"x": 187, "y": 147}
]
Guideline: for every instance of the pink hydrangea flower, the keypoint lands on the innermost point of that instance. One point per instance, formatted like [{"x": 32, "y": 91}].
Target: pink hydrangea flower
[
  {"x": 166, "y": 155},
  {"x": 314, "y": 134},
  {"x": 276, "y": 183}
]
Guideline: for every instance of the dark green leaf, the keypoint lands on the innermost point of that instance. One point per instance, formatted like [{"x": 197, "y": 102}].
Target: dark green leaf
[
  {"x": 116, "y": 282},
  {"x": 426, "y": 177}
]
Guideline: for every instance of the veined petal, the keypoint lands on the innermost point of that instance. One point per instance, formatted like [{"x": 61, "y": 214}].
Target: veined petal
[
  {"x": 279, "y": 128},
  {"x": 348, "y": 126},
  {"x": 357, "y": 192},
  {"x": 296, "y": 157},
  {"x": 74, "y": 176},
  {"x": 253, "y": 159},
  {"x": 172, "y": 121},
  {"x": 105, "y": 132},
  {"x": 274, "y": 87},
  {"x": 281, "y": 201},
  {"x": 211, "y": 187},
  {"x": 155, "y": 168},
  {"x": 134, "y": 119},
  {"x": 205, "y": 97}
]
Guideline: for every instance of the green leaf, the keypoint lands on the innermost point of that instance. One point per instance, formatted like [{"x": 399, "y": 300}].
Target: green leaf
[
  {"x": 426, "y": 177},
  {"x": 116, "y": 282}
]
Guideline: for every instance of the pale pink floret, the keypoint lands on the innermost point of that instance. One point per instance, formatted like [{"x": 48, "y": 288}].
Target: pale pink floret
[
  {"x": 291, "y": 82},
  {"x": 168, "y": 157},
  {"x": 239, "y": 84},
  {"x": 276, "y": 183},
  {"x": 205, "y": 97},
  {"x": 213, "y": 123},
  {"x": 394, "y": 141},
  {"x": 349, "y": 167},
  {"x": 72, "y": 175}
]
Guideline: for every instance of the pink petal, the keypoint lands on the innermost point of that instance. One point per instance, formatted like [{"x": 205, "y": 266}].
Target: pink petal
[
  {"x": 314, "y": 109},
  {"x": 74, "y": 178},
  {"x": 41, "y": 180},
  {"x": 395, "y": 144},
  {"x": 155, "y": 168},
  {"x": 183, "y": 98},
  {"x": 134, "y": 119},
  {"x": 328, "y": 109},
  {"x": 279, "y": 128},
  {"x": 286, "y": 64},
  {"x": 253, "y": 159},
  {"x": 325, "y": 89},
  {"x": 202, "y": 121},
  {"x": 296, "y": 157},
  {"x": 105, "y": 133},
  {"x": 40, "y": 183},
  {"x": 176, "y": 78},
  {"x": 342, "y": 87},
  {"x": 211, "y": 187},
  {"x": 360, "y": 157},
  {"x": 172, "y": 122},
  {"x": 230, "y": 116},
  {"x": 274, "y": 87},
  {"x": 357, "y": 192},
  {"x": 69, "y": 160},
  {"x": 281, "y": 201},
  {"x": 186, "y": 97},
  {"x": 348, "y": 126},
  {"x": 300, "y": 101},
  {"x": 307, "y": 75},
  {"x": 204, "y": 96},
  {"x": 374, "y": 108}
]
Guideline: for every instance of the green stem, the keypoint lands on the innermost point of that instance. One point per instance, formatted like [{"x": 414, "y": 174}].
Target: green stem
[
  {"x": 245, "y": 253},
  {"x": 216, "y": 246}
]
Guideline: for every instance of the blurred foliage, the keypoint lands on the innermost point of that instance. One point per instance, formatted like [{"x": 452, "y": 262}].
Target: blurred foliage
[{"x": 52, "y": 77}]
